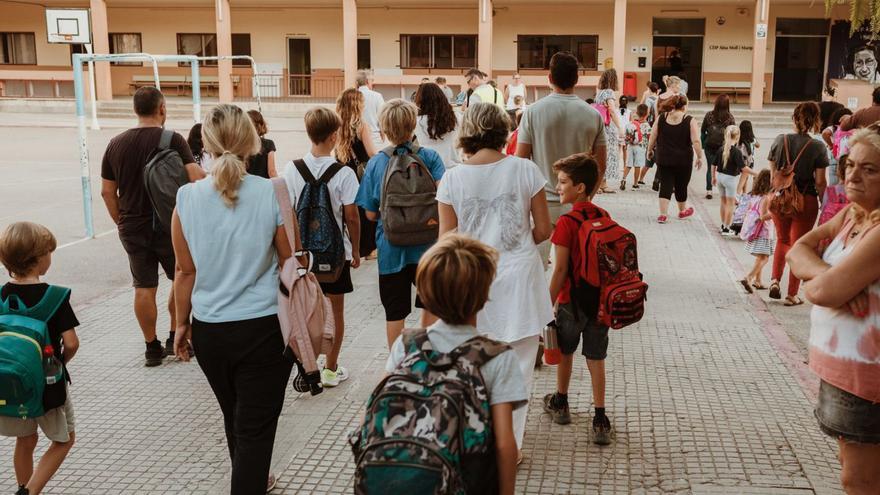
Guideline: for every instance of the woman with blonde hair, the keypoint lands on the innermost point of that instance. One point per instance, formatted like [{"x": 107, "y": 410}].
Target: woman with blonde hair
[
  {"x": 843, "y": 283},
  {"x": 354, "y": 149},
  {"x": 230, "y": 227},
  {"x": 499, "y": 200}
]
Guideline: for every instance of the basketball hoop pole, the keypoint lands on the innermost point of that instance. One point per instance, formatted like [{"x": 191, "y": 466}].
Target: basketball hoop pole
[
  {"x": 93, "y": 91},
  {"x": 85, "y": 175}
]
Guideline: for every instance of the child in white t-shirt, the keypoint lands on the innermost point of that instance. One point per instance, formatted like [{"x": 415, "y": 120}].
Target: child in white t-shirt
[{"x": 638, "y": 130}]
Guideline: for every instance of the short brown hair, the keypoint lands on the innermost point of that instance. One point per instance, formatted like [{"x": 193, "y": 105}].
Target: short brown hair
[
  {"x": 581, "y": 168},
  {"x": 259, "y": 122},
  {"x": 321, "y": 123},
  {"x": 147, "y": 101},
  {"x": 454, "y": 276},
  {"x": 22, "y": 245},
  {"x": 397, "y": 120}
]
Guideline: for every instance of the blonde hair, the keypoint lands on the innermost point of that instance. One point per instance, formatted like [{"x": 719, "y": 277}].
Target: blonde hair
[
  {"x": 454, "y": 276},
  {"x": 731, "y": 138},
  {"x": 230, "y": 137},
  {"x": 22, "y": 245},
  {"x": 397, "y": 120},
  {"x": 321, "y": 123},
  {"x": 485, "y": 126},
  {"x": 349, "y": 107},
  {"x": 672, "y": 81},
  {"x": 869, "y": 136}
]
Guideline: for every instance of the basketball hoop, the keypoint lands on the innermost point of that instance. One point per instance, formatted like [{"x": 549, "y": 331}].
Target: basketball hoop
[{"x": 71, "y": 26}]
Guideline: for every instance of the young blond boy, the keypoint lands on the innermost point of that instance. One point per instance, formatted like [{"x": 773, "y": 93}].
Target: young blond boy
[
  {"x": 26, "y": 252},
  {"x": 577, "y": 179},
  {"x": 322, "y": 126}
]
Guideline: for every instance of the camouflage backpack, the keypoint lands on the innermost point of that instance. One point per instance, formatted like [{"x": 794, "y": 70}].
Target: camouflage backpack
[{"x": 428, "y": 427}]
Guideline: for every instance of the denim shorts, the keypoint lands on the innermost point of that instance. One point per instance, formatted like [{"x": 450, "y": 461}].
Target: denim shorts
[
  {"x": 570, "y": 329},
  {"x": 847, "y": 417}
]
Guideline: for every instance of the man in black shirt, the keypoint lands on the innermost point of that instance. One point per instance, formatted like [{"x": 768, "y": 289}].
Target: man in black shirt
[{"x": 125, "y": 195}]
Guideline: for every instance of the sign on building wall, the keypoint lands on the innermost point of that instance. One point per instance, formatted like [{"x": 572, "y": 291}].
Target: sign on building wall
[{"x": 853, "y": 56}]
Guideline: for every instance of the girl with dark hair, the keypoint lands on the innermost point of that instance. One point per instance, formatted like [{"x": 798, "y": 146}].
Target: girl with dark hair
[
  {"x": 797, "y": 163},
  {"x": 747, "y": 146},
  {"x": 437, "y": 127},
  {"x": 263, "y": 163},
  {"x": 712, "y": 134},
  {"x": 194, "y": 140},
  {"x": 757, "y": 229}
]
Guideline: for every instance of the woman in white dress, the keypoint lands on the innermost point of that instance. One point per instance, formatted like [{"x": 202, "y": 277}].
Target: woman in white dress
[
  {"x": 499, "y": 200},
  {"x": 514, "y": 89},
  {"x": 437, "y": 125}
]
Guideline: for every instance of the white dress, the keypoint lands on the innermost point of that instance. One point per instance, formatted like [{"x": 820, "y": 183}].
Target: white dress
[{"x": 493, "y": 204}]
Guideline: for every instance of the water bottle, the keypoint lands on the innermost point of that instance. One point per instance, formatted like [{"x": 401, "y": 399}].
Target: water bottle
[
  {"x": 52, "y": 367},
  {"x": 552, "y": 355}
]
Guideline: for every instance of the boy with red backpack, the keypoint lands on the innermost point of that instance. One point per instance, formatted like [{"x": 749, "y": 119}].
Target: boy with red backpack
[{"x": 595, "y": 285}]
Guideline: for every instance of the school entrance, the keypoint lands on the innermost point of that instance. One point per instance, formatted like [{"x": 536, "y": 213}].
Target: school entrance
[
  {"x": 799, "y": 65},
  {"x": 678, "y": 51},
  {"x": 299, "y": 66}
]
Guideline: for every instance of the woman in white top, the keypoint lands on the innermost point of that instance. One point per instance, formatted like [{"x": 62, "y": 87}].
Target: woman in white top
[
  {"x": 229, "y": 239},
  {"x": 437, "y": 126},
  {"x": 496, "y": 199},
  {"x": 514, "y": 89}
]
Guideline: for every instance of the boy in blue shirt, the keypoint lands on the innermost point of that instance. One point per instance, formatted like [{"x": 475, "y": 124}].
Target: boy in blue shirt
[{"x": 397, "y": 264}]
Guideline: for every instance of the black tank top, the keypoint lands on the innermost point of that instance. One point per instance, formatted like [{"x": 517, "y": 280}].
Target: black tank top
[{"x": 674, "y": 148}]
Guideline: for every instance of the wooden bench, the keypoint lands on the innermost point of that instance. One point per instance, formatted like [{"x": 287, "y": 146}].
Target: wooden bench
[
  {"x": 166, "y": 81},
  {"x": 735, "y": 87}
]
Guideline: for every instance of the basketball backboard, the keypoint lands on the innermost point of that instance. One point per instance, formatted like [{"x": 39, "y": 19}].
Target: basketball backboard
[{"x": 69, "y": 26}]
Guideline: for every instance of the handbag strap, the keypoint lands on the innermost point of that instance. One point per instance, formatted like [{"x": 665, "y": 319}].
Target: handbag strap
[{"x": 290, "y": 225}]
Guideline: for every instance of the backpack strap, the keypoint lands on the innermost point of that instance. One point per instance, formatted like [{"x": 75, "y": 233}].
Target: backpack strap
[
  {"x": 49, "y": 304},
  {"x": 478, "y": 350},
  {"x": 414, "y": 339},
  {"x": 791, "y": 164},
  {"x": 331, "y": 171},
  {"x": 389, "y": 151},
  {"x": 165, "y": 140},
  {"x": 290, "y": 226},
  {"x": 304, "y": 171}
]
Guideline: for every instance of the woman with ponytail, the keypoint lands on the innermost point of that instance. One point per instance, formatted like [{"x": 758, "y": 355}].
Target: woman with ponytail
[
  {"x": 726, "y": 169},
  {"x": 229, "y": 226}
]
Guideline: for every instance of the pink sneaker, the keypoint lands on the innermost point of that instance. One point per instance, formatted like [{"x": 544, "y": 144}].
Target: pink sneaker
[
  {"x": 662, "y": 219},
  {"x": 686, "y": 213}
]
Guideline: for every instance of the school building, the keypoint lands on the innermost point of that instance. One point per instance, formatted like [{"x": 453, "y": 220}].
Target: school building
[{"x": 760, "y": 51}]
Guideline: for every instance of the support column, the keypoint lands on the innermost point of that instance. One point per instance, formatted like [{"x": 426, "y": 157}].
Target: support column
[
  {"x": 484, "y": 36},
  {"x": 349, "y": 41},
  {"x": 101, "y": 45},
  {"x": 759, "y": 53},
  {"x": 618, "y": 47},
  {"x": 224, "y": 49}
]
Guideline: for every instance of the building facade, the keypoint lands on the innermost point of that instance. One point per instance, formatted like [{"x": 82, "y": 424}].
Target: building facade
[{"x": 763, "y": 51}]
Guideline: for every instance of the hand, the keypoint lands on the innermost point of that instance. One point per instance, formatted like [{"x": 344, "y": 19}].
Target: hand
[
  {"x": 859, "y": 305},
  {"x": 699, "y": 163},
  {"x": 714, "y": 180},
  {"x": 650, "y": 154},
  {"x": 181, "y": 339},
  {"x": 355, "y": 259}
]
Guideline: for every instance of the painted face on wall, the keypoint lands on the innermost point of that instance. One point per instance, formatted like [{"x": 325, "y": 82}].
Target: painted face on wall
[{"x": 865, "y": 65}]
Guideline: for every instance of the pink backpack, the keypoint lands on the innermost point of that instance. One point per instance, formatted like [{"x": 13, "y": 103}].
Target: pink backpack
[
  {"x": 603, "y": 110},
  {"x": 304, "y": 313},
  {"x": 835, "y": 200}
]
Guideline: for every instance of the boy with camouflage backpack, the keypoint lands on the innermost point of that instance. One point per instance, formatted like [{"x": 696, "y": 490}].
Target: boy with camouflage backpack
[{"x": 441, "y": 421}]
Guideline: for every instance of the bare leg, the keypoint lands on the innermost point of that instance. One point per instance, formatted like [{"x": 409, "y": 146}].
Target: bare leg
[
  {"x": 858, "y": 461},
  {"x": 337, "y": 301},
  {"x": 145, "y": 311},
  {"x": 597, "y": 378},
  {"x": 23, "y": 459},
  {"x": 172, "y": 311},
  {"x": 49, "y": 463},
  {"x": 761, "y": 262},
  {"x": 393, "y": 330},
  {"x": 664, "y": 206},
  {"x": 563, "y": 373},
  {"x": 682, "y": 206}
]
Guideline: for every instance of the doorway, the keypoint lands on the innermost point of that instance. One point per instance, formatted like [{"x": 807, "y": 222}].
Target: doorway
[
  {"x": 299, "y": 66},
  {"x": 678, "y": 51},
  {"x": 799, "y": 62}
]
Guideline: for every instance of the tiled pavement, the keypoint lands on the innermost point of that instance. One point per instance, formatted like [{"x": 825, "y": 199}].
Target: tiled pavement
[{"x": 700, "y": 400}]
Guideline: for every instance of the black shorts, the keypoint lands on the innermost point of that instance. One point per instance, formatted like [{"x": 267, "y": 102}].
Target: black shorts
[
  {"x": 395, "y": 291},
  {"x": 569, "y": 332},
  {"x": 342, "y": 285},
  {"x": 147, "y": 251}
]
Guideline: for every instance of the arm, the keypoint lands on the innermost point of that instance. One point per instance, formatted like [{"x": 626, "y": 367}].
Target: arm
[
  {"x": 541, "y": 217},
  {"x": 847, "y": 123},
  {"x": 826, "y": 136},
  {"x": 367, "y": 139},
  {"x": 505, "y": 447},
  {"x": 652, "y": 139},
  {"x": 273, "y": 172},
  {"x": 195, "y": 172},
  {"x": 353, "y": 224},
  {"x": 448, "y": 218},
  {"x": 111, "y": 198},
  {"x": 560, "y": 271},
  {"x": 695, "y": 141},
  {"x": 803, "y": 257},
  {"x": 600, "y": 154},
  {"x": 184, "y": 280},
  {"x": 70, "y": 344},
  {"x": 506, "y": 92},
  {"x": 614, "y": 110},
  {"x": 842, "y": 283},
  {"x": 821, "y": 181},
  {"x": 523, "y": 150}
]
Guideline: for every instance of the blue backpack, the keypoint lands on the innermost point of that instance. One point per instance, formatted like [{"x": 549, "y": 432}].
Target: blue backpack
[
  {"x": 319, "y": 233},
  {"x": 24, "y": 345}
]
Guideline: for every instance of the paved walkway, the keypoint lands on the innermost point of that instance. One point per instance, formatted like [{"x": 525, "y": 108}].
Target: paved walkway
[{"x": 700, "y": 399}]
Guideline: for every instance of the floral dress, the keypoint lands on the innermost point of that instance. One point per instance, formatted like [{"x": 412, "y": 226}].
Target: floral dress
[{"x": 612, "y": 140}]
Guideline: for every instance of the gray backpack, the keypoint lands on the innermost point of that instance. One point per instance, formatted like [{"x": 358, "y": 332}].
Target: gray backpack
[
  {"x": 408, "y": 207},
  {"x": 163, "y": 176}
]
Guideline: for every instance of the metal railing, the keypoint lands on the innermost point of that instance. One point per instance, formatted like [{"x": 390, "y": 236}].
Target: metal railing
[{"x": 291, "y": 87}]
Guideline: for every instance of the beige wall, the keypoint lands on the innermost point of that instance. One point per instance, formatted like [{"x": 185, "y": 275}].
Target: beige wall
[{"x": 32, "y": 18}]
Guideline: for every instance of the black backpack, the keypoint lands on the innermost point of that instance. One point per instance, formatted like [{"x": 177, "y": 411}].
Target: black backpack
[
  {"x": 163, "y": 176},
  {"x": 715, "y": 136},
  {"x": 319, "y": 232}
]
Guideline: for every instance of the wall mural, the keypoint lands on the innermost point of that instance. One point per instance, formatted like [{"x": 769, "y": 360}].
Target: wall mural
[{"x": 853, "y": 56}]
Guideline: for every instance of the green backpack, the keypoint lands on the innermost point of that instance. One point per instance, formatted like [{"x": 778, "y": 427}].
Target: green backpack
[{"x": 24, "y": 341}]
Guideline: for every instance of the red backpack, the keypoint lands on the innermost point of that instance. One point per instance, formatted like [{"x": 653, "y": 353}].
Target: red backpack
[{"x": 608, "y": 260}]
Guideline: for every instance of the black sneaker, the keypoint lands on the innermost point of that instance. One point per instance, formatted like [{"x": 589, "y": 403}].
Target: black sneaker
[
  {"x": 636, "y": 186},
  {"x": 641, "y": 183},
  {"x": 709, "y": 195},
  {"x": 602, "y": 431},
  {"x": 154, "y": 354},
  {"x": 169, "y": 347},
  {"x": 22, "y": 490},
  {"x": 559, "y": 414}
]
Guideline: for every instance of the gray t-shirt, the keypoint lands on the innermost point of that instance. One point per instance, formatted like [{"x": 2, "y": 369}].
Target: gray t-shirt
[
  {"x": 504, "y": 381},
  {"x": 557, "y": 126}
]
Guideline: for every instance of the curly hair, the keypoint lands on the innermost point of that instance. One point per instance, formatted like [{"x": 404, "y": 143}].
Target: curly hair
[
  {"x": 349, "y": 106},
  {"x": 608, "y": 80},
  {"x": 806, "y": 117},
  {"x": 433, "y": 103},
  {"x": 485, "y": 126}
]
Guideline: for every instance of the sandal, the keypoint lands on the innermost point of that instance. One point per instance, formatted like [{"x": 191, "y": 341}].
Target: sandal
[
  {"x": 759, "y": 286},
  {"x": 746, "y": 286},
  {"x": 519, "y": 457},
  {"x": 793, "y": 301},
  {"x": 775, "y": 291}
]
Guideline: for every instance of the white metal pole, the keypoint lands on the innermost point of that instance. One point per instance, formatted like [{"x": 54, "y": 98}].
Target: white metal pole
[
  {"x": 85, "y": 175},
  {"x": 92, "y": 90}
]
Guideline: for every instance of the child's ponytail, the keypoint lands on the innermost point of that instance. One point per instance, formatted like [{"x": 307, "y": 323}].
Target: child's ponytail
[{"x": 731, "y": 138}]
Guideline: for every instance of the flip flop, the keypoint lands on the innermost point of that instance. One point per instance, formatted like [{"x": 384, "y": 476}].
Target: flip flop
[
  {"x": 746, "y": 286},
  {"x": 759, "y": 286},
  {"x": 519, "y": 458},
  {"x": 793, "y": 301}
]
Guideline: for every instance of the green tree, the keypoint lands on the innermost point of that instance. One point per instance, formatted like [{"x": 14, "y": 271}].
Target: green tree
[{"x": 859, "y": 12}]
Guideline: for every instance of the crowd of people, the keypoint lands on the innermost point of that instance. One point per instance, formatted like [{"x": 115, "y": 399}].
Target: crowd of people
[{"x": 500, "y": 190}]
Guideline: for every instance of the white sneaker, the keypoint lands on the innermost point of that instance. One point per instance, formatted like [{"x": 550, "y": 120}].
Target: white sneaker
[{"x": 330, "y": 378}]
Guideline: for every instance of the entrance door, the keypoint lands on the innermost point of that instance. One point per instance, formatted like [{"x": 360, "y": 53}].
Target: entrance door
[
  {"x": 299, "y": 66},
  {"x": 799, "y": 63},
  {"x": 678, "y": 51}
]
